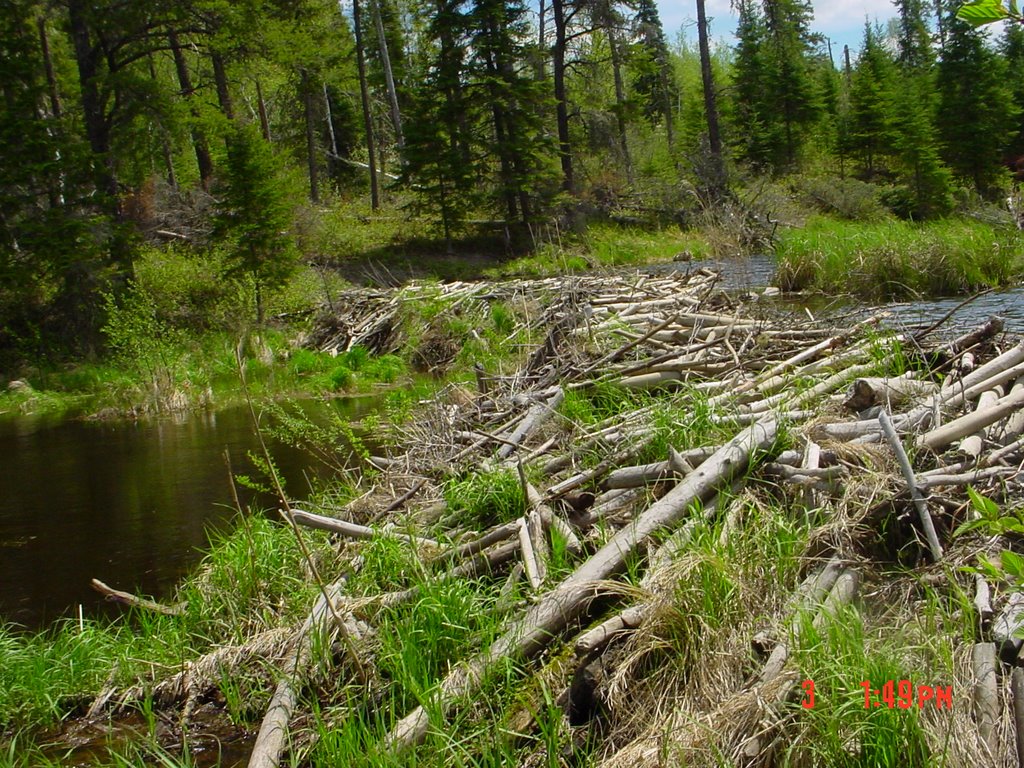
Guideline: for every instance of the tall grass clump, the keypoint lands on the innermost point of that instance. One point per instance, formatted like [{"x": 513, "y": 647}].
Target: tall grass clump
[{"x": 898, "y": 259}]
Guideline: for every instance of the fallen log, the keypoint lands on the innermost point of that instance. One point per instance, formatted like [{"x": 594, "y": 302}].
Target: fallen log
[
  {"x": 984, "y": 697},
  {"x": 864, "y": 393},
  {"x": 127, "y": 598},
  {"x": 537, "y": 415},
  {"x": 939, "y": 438},
  {"x": 353, "y": 530},
  {"x": 908, "y": 474},
  {"x": 273, "y": 733},
  {"x": 1017, "y": 692},
  {"x": 571, "y": 598}
]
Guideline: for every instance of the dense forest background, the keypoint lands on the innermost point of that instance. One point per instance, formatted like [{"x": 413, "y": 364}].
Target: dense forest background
[{"x": 231, "y": 126}]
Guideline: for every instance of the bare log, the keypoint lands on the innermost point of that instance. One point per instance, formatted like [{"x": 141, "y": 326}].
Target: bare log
[
  {"x": 127, "y": 598},
  {"x": 273, "y": 734},
  {"x": 1017, "y": 691},
  {"x": 353, "y": 530},
  {"x": 1007, "y": 626},
  {"x": 984, "y": 695},
  {"x": 908, "y": 474},
  {"x": 939, "y": 438},
  {"x": 571, "y": 598},
  {"x": 537, "y": 415}
]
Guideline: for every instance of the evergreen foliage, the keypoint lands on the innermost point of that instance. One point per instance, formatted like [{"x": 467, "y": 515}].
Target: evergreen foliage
[{"x": 254, "y": 215}]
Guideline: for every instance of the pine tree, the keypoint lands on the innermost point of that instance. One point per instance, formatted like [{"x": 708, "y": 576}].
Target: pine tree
[
  {"x": 976, "y": 116},
  {"x": 498, "y": 44}
]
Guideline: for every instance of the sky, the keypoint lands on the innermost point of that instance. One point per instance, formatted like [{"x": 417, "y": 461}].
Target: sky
[{"x": 840, "y": 20}]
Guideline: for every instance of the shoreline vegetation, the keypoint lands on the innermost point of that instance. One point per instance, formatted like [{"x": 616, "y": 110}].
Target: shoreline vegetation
[
  {"x": 604, "y": 447},
  {"x": 171, "y": 344}
]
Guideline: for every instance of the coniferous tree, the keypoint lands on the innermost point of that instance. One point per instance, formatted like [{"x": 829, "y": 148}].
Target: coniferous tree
[
  {"x": 1012, "y": 48},
  {"x": 654, "y": 82},
  {"x": 872, "y": 97},
  {"x": 439, "y": 160},
  {"x": 976, "y": 113},
  {"x": 254, "y": 215},
  {"x": 498, "y": 45}
]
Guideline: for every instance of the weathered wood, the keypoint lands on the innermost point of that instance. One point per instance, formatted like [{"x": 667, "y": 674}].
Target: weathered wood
[
  {"x": 939, "y": 438},
  {"x": 971, "y": 446},
  {"x": 571, "y": 598},
  {"x": 908, "y": 474},
  {"x": 127, "y": 598},
  {"x": 354, "y": 530},
  {"x": 1017, "y": 692},
  {"x": 535, "y": 417},
  {"x": 982, "y": 600},
  {"x": 984, "y": 696},
  {"x": 1007, "y": 625},
  {"x": 552, "y": 520},
  {"x": 598, "y": 637},
  {"x": 273, "y": 733}
]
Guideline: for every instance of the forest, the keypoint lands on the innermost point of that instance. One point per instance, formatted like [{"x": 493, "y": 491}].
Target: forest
[{"x": 235, "y": 130}]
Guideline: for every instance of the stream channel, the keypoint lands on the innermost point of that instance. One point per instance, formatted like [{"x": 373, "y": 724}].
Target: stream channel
[{"x": 133, "y": 503}]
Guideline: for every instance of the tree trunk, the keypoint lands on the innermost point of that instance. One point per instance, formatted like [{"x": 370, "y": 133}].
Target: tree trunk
[
  {"x": 165, "y": 145},
  {"x": 540, "y": 71},
  {"x": 620, "y": 99},
  {"x": 389, "y": 78},
  {"x": 220, "y": 76},
  {"x": 364, "y": 94},
  {"x": 261, "y": 107},
  {"x": 202, "y": 150},
  {"x": 561, "y": 105},
  {"x": 710, "y": 103},
  {"x": 51, "y": 78},
  {"x": 311, "y": 160}
]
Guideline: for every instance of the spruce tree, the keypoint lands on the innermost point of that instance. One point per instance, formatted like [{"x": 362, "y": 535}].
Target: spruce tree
[
  {"x": 872, "y": 98},
  {"x": 254, "y": 215},
  {"x": 654, "y": 82},
  {"x": 1012, "y": 48},
  {"x": 977, "y": 115}
]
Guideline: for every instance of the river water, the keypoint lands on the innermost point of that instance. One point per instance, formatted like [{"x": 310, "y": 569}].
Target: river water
[{"x": 130, "y": 503}]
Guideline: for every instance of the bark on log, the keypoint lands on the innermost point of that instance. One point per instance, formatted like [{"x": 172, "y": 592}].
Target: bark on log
[
  {"x": 573, "y": 596},
  {"x": 864, "y": 393}
]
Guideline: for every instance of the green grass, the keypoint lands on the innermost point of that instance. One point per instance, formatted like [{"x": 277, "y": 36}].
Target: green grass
[{"x": 897, "y": 259}]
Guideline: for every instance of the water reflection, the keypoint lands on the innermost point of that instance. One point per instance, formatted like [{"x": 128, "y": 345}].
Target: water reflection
[{"x": 131, "y": 503}]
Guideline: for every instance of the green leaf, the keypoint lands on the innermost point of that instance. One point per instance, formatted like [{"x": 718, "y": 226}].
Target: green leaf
[
  {"x": 977, "y": 13},
  {"x": 1013, "y": 564},
  {"x": 984, "y": 505},
  {"x": 1014, "y": 9}
]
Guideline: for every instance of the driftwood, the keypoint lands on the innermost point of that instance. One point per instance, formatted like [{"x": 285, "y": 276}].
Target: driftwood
[
  {"x": 939, "y": 438},
  {"x": 127, "y": 598},
  {"x": 1017, "y": 692},
  {"x": 1007, "y": 625},
  {"x": 985, "y": 698},
  {"x": 908, "y": 474},
  {"x": 273, "y": 733},
  {"x": 352, "y": 530},
  {"x": 570, "y": 599},
  {"x": 537, "y": 415}
]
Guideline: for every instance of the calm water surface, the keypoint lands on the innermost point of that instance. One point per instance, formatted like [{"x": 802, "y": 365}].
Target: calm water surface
[{"x": 130, "y": 503}]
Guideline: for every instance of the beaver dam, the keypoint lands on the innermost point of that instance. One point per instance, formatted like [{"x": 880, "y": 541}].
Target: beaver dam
[{"x": 677, "y": 531}]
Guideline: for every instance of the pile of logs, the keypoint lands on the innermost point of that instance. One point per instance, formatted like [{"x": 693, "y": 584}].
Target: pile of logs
[{"x": 919, "y": 417}]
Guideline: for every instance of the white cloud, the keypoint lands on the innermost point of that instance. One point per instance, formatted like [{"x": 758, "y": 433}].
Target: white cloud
[{"x": 841, "y": 20}]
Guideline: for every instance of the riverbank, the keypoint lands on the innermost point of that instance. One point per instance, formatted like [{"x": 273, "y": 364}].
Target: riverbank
[{"x": 505, "y": 505}]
